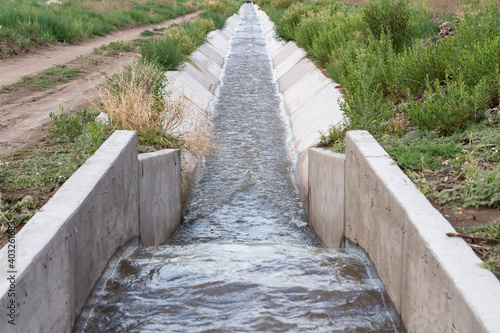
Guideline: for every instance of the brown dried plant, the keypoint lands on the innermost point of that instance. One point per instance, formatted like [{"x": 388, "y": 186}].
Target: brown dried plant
[{"x": 137, "y": 99}]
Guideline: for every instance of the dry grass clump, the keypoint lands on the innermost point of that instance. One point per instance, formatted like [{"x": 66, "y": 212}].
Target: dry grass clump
[
  {"x": 137, "y": 99},
  {"x": 105, "y": 7}
]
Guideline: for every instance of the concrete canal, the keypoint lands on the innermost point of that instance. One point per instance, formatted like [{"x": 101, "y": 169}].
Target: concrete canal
[{"x": 244, "y": 258}]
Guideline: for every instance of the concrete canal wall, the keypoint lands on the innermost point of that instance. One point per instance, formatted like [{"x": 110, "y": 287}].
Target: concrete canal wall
[
  {"x": 114, "y": 198},
  {"x": 435, "y": 281},
  {"x": 61, "y": 253},
  {"x": 311, "y": 100}
]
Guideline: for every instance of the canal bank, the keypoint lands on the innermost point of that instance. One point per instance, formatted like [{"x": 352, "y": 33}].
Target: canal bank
[{"x": 403, "y": 261}]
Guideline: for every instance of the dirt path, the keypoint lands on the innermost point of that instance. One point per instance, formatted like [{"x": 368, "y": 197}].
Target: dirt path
[{"x": 24, "y": 113}]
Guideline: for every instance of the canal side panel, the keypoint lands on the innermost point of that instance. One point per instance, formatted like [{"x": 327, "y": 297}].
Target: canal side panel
[
  {"x": 435, "y": 281},
  {"x": 160, "y": 195},
  {"x": 326, "y": 196},
  {"x": 65, "y": 247}
]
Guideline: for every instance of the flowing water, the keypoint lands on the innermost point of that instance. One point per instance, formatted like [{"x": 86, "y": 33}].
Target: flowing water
[{"x": 244, "y": 259}]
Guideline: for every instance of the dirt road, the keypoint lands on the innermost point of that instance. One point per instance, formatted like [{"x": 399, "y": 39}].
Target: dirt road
[{"x": 24, "y": 112}]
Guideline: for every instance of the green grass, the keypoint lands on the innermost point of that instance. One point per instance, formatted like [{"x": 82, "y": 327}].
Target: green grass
[
  {"x": 115, "y": 48},
  {"x": 33, "y": 22},
  {"x": 47, "y": 79},
  {"x": 491, "y": 252},
  {"x": 42, "y": 171},
  {"x": 171, "y": 50}
]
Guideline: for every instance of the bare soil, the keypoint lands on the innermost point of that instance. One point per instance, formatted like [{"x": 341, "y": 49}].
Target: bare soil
[{"x": 24, "y": 112}]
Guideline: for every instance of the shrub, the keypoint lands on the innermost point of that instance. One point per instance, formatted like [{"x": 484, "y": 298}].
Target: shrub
[
  {"x": 281, "y": 4},
  {"x": 390, "y": 17},
  {"x": 217, "y": 18},
  {"x": 163, "y": 52},
  {"x": 449, "y": 108}
]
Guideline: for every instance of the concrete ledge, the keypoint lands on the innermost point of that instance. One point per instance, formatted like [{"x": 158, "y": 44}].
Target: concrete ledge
[
  {"x": 160, "y": 196},
  {"x": 65, "y": 247},
  {"x": 434, "y": 281},
  {"x": 326, "y": 196}
]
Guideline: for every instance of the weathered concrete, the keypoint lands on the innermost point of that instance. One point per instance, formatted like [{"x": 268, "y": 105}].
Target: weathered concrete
[
  {"x": 160, "y": 209},
  {"x": 434, "y": 281},
  {"x": 204, "y": 77},
  {"x": 64, "y": 248},
  {"x": 326, "y": 196}
]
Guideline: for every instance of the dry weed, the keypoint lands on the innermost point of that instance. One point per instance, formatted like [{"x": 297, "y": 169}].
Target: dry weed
[{"x": 136, "y": 100}]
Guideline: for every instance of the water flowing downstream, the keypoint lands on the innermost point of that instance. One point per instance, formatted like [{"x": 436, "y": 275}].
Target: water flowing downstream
[{"x": 244, "y": 259}]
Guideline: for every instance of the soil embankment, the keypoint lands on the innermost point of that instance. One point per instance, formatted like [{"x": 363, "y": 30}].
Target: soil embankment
[{"x": 24, "y": 112}]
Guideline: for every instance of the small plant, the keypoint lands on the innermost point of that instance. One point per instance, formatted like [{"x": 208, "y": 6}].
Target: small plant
[
  {"x": 217, "y": 18},
  {"x": 66, "y": 127},
  {"x": 488, "y": 244},
  {"x": 147, "y": 33}
]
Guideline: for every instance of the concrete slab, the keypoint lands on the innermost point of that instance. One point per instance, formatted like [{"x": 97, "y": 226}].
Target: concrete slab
[
  {"x": 291, "y": 63},
  {"x": 434, "y": 281},
  {"x": 209, "y": 52},
  {"x": 303, "y": 90},
  {"x": 315, "y": 116},
  {"x": 304, "y": 76},
  {"x": 275, "y": 49},
  {"x": 204, "y": 77},
  {"x": 219, "y": 43},
  {"x": 160, "y": 210},
  {"x": 65, "y": 247},
  {"x": 201, "y": 61},
  {"x": 192, "y": 89},
  {"x": 326, "y": 196},
  {"x": 290, "y": 53}
]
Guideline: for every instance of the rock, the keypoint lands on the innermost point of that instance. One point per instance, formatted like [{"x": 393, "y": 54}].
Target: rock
[
  {"x": 28, "y": 201},
  {"x": 447, "y": 170},
  {"x": 102, "y": 118},
  {"x": 448, "y": 190}
]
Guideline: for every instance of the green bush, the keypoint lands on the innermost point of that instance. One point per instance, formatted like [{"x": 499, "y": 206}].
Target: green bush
[
  {"x": 163, "y": 52},
  {"x": 66, "y": 128},
  {"x": 389, "y": 17},
  {"x": 281, "y": 4},
  {"x": 225, "y": 7},
  {"x": 217, "y": 18},
  {"x": 447, "y": 109}
]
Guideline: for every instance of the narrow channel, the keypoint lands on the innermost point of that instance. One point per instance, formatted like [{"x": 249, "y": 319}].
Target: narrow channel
[{"x": 244, "y": 259}]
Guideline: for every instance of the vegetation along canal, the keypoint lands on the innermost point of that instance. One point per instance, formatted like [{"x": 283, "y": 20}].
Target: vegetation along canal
[{"x": 244, "y": 259}]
